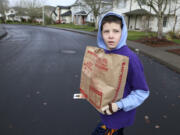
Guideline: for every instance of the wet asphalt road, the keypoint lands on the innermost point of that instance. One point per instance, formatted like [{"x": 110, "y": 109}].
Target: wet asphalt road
[{"x": 39, "y": 72}]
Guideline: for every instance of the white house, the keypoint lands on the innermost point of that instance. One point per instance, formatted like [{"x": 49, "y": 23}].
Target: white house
[
  {"x": 13, "y": 15},
  {"x": 10, "y": 14},
  {"x": 81, "y": 12},
  {"x": 62, "y": 14},
  {"x": 139, "y": 19}
]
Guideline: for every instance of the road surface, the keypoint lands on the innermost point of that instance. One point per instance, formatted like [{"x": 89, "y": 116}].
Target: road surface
[{"x": 39, "y": 72}]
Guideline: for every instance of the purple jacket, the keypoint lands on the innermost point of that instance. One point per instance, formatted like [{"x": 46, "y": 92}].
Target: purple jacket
[{"x": 135, "y": 80}]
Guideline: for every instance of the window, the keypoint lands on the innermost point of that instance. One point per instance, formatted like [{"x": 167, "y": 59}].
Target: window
[{"x": 165, "y": 19}]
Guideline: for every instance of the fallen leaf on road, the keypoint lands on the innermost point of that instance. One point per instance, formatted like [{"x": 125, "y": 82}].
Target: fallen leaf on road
[
  {"x": 165, "y": 116},
  {"x": 28, "y": 95},
  {"x": 76, "y": 76},
  {"x": 44, "y": 103},
  {"x": 157, "y": 126},
  {"x": 173, "y": 105},
  {"x": 10, "y": 126},
  {"x": 178, "y": 96},
  {"x": 147, "y": 119},
  {"x": 37, "y": 92}
]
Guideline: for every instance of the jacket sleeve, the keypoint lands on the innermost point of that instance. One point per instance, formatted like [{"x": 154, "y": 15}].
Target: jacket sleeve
[
  {"x": 133, "y": 100},
  {"x": 138, "y": 88}
]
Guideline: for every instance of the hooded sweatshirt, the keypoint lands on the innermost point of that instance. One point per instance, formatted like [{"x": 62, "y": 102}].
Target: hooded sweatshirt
[{"x": 136, "y": 89}]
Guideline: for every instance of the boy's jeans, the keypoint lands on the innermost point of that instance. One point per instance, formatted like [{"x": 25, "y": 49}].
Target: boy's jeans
[{"x": 102, "y": 130}]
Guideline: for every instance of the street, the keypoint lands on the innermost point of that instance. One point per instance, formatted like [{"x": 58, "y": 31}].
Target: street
[{"x": 40, "y": 71}]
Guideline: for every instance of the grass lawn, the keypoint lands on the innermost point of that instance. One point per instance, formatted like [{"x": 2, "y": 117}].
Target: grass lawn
[
  {"x": 24, "y": 23},
  {"x": 72, "y": 26},
  {"x": 135, "y": 35},
  {"x": 176, "y": 41}
]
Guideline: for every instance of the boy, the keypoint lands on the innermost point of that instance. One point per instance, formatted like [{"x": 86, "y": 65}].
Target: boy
[{"x": 112, "y": 37}]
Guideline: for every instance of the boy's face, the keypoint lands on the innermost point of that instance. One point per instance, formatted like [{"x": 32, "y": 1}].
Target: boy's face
[{"x": 111, "y": 33}]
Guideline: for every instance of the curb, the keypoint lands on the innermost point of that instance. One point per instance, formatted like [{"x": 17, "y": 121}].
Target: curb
[
  {"x": 3, "y": 35},
  {"x": 168, "y": 65},
  {"x": 67, "y": 29},
  {"x": 72, "y": 30}
]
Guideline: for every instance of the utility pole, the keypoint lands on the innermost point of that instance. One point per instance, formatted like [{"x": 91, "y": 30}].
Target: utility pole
[{"x": 43, "y": 14}]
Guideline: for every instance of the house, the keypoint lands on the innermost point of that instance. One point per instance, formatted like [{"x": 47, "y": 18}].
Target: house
[
  {"x": 66, "y": 17},
  {"x": 141, "y": 19},
  {"x": 81, "y": 11},
  {"x": 1, "y": 17},
  {"x": 13, "y": 14},
  {"x": 62, "y": 14},
  {"x": 38, "y": 20},
  {"x": 10, "y": 14}
]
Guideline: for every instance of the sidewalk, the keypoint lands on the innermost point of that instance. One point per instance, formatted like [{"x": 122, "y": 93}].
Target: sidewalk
[
  {"x": 3, "y": 32},
  {"x": 160, "y": 54}
]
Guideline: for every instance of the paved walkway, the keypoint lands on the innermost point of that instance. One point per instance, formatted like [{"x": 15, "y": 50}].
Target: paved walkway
[{"x": 160, "y": 54}]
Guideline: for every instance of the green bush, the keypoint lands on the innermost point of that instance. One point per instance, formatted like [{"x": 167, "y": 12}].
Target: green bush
[
  {"x": 47, "y": 20},
  {"x": 9, "y": 21},
  {"x": 171, "y": 35},
  {"x": 23, "y": 20},
  {"x": 90, "y": 24},
  {"x": 177, "y": 34}
]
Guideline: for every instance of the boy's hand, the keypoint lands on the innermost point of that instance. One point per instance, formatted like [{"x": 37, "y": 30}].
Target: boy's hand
[{"x": 110, "y": 109}]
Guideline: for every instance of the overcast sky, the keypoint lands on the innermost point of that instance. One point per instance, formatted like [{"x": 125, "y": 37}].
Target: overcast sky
[{"x": 49, "y": 2}]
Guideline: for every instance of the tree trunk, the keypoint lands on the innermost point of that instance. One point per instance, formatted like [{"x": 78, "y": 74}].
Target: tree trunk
[
  {"x": 175, "y": 16},
  {"x": 160, "y": 27},
  {"x": 96, "y": 22},
  {"x": 175, "y": 21}
]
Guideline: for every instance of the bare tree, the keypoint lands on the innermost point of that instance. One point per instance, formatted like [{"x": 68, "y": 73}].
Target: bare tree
[
  {"x": 32, "y": 7},
  {"x": 159, "y": 7},
  {"x": 98, "y": 7},
  {"x": 177, "y": 7},
  {"x": 3, "y": 8},
  {"x": 20, "y": 7}
]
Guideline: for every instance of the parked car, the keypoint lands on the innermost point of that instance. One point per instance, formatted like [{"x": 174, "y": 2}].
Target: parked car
[{"x": 63, "y": 21}]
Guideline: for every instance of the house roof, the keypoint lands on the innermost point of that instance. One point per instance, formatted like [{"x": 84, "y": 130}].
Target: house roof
[
  {"x": 81, "y": 2},
  {"x": 106, "y": 0},
  {"x": 81, "y": 13},
  {"x": 138, "y": 12},
  {"x": 68, "y": 13},
  {"x": 11, "y": 15},
  {"x": 54, "y": 13},
  {"x": 64, "y": 7}
]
